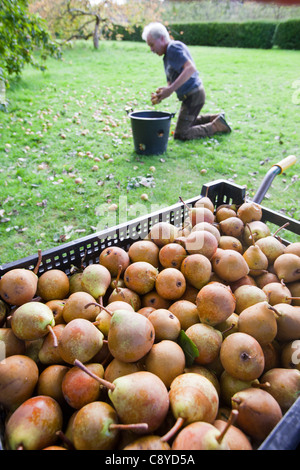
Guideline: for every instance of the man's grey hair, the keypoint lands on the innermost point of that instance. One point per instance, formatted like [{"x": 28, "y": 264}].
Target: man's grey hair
[{"x": 157, "y": 30}]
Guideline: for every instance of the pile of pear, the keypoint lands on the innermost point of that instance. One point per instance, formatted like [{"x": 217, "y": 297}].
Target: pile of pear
[{"x": 97, "y": 359}]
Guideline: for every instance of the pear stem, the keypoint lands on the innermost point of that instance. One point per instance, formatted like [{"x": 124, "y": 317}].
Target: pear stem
[
  {"x": 50, "y": 329},
  {"x": 100, "y": 306},
  {"x": 65, "y": 440},
  {"x": 185, "y": 205},
  {"x": 130, "y": 427},
  {"x": 103, "y": 382},
  {"x": 251, "y": 234},
  {"x": 280, "y": 228},
  {"x": 231, "y": 420},
  {"x": 120, "y": 267},
  {"x": 228, "y": 329},
  {"x": 270, "y": 307},
  {"x": 174, "y": 429},
  {"x": 38, "y": 262}
]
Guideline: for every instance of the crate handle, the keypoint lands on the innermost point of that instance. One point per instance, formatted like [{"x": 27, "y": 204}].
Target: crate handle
[{"x": 286, "y": 162}]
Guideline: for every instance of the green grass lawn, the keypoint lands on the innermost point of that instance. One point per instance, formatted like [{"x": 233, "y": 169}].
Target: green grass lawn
[{"x": 70, "y": 123}]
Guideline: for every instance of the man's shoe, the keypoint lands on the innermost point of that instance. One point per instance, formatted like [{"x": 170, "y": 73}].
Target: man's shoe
[{"x": 220, "y": 125}]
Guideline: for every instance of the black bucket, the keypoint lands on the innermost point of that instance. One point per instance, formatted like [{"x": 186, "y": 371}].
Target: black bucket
[{"x": 150, "y": 130}]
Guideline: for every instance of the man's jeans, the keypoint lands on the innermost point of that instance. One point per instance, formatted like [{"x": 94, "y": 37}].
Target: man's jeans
[{"x": 189, "y": 124}]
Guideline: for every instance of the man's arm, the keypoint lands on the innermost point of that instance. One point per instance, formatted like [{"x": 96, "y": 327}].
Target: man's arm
[{"x": 188, "y": 70}]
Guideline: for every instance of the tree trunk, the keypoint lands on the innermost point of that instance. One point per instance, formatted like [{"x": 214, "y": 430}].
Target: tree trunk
[{"x": 96, "y": 33}]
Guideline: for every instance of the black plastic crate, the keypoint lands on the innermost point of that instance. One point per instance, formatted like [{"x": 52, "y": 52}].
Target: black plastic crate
[{"x": 86, "y": 250}]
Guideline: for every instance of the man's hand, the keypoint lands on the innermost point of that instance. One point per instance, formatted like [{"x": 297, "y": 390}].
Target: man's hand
[{"x": 161, "y": 94}]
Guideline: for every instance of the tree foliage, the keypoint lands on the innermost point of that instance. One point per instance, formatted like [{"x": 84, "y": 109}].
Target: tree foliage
[
  {"x": 83, "y": 19},
  {"x": 24, "y": 39}
]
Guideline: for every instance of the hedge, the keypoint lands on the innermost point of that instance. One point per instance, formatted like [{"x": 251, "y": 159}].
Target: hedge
[{"x": 248, "y": 34}]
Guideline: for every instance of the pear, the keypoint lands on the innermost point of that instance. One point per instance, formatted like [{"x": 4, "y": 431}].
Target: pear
[
  {"x": 154, "y": 300},
  {"x": 163, "y": 233},
  {"x": 248, "y": 295},
  {"x": 12, "y": 344},
  {"x": 81, "y": 340},
  {"x": 80, "y": 305},
  {"x": 19, "y": 375},
  {"x": 254, "y": 231},
  {"x": 288, "y": 322},
  {"x": 193, "y": 397},
  {"x": 277, "y": 293},
  {"x": 294, "y": 288},
  {"x": 289, "y": 357},
  {"x": 271, "y": 354},
  {"x": 96, "y": 280},
  {"x": 229, "y": 386},
  {"x": 150, "y": 442},
  {"x": 125, "y": 295},
  {"x": 287, "y": 267},
  {"x": 271, "y": 247},
  {"x": 242, "y": 357},
  {"x": 32, "y": 320},
  {"x": 4, "y": 310},
  {"x": 215, "y": 303},
  {"x": 235, "y": 438},
  {"x": 53, "y": 284},
  {"x": 102, "y": 320},
  {"x": 201, "y": 436},
  {"x": 117, "y": 368},
  {"x": 170, "y": 284},
  {"x": 18, "y": 286},
  {"x": 95, "y": 427},
  {"x": 135, "y": 396},
  {"x": 245, "y": 280},
  {"x": 166, "y": 359},
  {"x": 196, "y": 270},
  {"x": 75, "y": 283},
  {"x": 209, "y": 374},
  {"x": 50, "y": 382},
  {"x": 227, "y": 242},
  {"x": 172, "y": 255},
  {"x": 284, "y": 385},
  {"x": 249, "y": 211},
  {"x": 130, "y": 335},
  {"x": 208, "y": 341},
  {"x": 79, "y": 388},
  {"x": 223, "y": 213},
  {"x": 232, "y": 226},
  {"x": 186, "y": 312},
  {"x": 208, "y": 227},
  {"x": 259, "y": 412},
  {"x": 205, "y": 201},
  {"x": 201, "y": 242},
  {"x": 57, "y": 307},
  {"x": 34, "y": 424},
  {"x": 144, "y": 250},
  {"x": 48, "y": 352},
  {"x": 266, "y": 278},
  {"x": 199, "y": 213},
  {"x": 229, "y": 265},
  {"x": 166, "y": 325},
  {"x": 259, "y": 321},
  {"x": 256, "y": 259},
  {"x": 114, "y": 258},
  {"x": 293, "y": 248},
  {"x": 140, "y": 277}
]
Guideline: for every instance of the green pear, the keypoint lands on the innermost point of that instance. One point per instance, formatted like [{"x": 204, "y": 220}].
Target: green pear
[
  {"x": 95, "y": 280},
  {"x": 32, "y": 320},
  {"x": 130, "y": 335}
]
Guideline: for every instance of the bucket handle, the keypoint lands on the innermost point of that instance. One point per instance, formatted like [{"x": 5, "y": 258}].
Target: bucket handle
[{"x": 129, "y": 110}]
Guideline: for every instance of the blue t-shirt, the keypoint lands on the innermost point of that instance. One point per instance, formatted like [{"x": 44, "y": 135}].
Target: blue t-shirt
[{"x": 175, "y": 57}]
